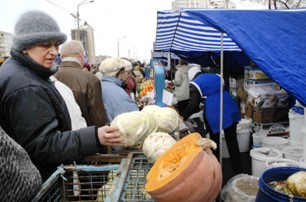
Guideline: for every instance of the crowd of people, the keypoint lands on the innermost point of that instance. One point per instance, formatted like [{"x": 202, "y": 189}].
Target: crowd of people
[{"x": 56, "y": 111}]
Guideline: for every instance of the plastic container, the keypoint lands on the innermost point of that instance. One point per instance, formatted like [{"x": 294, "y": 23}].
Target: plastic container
[
  {"x": 244, "y": 124},
  {"x": 240, "y": 188},
  {"x": 296, "y": 122},
  {"x": 260, "y": 156},
  {"x": 243, "y": 137},
  {"x": 281, "y": 162},
  {"x": 274, "y": 142},
  {"x": 294, "y": 152},
  {"x": 257, "y": 138},
  {"x": 268, "y": 194},
  {"x": 244, "y": 134},
  {"x": 302, "y": 163}
]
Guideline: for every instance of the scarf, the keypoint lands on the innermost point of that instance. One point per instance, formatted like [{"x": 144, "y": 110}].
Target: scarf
[{"x": 34, "y": 66}]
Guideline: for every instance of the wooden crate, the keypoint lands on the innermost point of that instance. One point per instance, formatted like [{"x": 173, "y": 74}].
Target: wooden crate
[{"x": 267, "y": 115}]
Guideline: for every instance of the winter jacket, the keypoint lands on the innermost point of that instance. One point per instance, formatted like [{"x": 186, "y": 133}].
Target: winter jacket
[
  {"x": 181, "y": 82},
  {"x": 20, "y": 179},
  {"x": 116, "y": 100},
  {"x": 35, "y": 115},
  {"x": 86, "y": 88}
]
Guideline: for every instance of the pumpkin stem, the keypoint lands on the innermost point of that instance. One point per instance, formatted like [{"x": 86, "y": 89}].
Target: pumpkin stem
[{"x": 206, "y": 143}]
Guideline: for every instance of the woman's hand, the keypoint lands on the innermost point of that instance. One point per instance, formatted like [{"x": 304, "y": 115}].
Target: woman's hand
[{"x": 109, "y": 136}]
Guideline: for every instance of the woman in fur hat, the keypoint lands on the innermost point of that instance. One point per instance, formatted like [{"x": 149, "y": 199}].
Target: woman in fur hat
[{"x": 32, "y": 111}]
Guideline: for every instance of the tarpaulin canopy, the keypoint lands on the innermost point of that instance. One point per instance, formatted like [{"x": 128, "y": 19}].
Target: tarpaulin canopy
[{"x": 274, "y": 39}]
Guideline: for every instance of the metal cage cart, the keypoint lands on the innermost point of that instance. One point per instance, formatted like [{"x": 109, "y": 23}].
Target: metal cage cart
[
  {"x": 130, "y": 184},
  {"x": 78, "y": 183}
]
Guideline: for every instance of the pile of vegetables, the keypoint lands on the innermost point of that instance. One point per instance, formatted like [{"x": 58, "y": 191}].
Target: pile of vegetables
[
  {"x": 146, "y": 86},
  {"x": 295, "y": 185},
  {"x": 136, "y": 126}
]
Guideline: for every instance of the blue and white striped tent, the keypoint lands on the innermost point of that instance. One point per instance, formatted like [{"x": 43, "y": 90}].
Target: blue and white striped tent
[
  {"x": 274, "y": 39},
  {"x": 176, "y": 30}
]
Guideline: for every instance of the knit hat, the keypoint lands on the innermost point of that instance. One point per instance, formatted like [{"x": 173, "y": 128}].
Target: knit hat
[
  {"x": 111, "y": 66},
  {"x": 193, "y": 71},
  {"x": 34, "y": 27}
]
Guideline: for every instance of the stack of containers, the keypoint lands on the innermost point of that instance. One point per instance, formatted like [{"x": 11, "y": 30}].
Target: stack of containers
[{"x": 265, "y": 103}]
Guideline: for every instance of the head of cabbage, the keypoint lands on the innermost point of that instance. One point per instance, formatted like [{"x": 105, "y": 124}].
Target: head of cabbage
[
  {"x": 132, "y": 127},
  {"x": 156, "y": 144},
  {"x": 167, "y": 119}
]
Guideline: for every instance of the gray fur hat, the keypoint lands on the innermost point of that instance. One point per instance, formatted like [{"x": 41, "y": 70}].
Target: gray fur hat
[{"x": 35, "y": 27}]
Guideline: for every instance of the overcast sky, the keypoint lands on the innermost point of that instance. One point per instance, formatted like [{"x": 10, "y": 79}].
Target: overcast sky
[{"x": 111, "y": 20}]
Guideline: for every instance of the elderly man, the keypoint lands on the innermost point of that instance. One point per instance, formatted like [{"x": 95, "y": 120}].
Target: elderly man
[{"x": 85, "y": 86}]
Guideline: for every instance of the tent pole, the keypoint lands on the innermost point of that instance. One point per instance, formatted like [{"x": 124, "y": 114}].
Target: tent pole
[{"x": 221, "y": 100}]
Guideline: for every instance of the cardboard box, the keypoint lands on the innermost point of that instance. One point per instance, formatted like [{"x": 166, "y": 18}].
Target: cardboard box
[
  {"x": 254, "y": 73},
  {"x": 277, "y": 129},
  {"x": 267, "y": 97},
  {"x": 249, "y": 83},
  {"x": 267, "y": 115},
  {"x": 271, "y": 115},
  {"x": 242, "y": 95}
]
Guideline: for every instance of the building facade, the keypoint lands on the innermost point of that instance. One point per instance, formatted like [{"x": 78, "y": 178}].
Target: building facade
[
  {"x": 86, "y": 33},
  {"x": 210, "y": 4},
  {"x": 5, "y": 44}
]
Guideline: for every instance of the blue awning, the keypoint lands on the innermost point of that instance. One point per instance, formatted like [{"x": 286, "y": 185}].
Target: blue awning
[{"x": 274, "y": 39}]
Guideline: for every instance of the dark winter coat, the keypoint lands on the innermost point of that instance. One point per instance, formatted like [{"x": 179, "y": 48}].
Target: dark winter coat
[{"x": 35, "y": 115}]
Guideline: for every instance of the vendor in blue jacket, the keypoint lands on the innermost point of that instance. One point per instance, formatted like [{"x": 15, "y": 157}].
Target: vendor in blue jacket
[{"x": 205, "y": 88}]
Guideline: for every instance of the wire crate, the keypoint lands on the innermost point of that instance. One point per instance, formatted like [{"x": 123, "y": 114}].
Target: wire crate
[
  {"x": 110, "y": 158},
  {"x": 129, "y": 186},
  {"x": 78, "y": 183}
]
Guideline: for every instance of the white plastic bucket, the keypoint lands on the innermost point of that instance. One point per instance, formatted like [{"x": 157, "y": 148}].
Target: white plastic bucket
[
  {"x": 302, "y": 163},
  {"x": 294, "y": 152},
  {"x": 260, "y": 156},
  {"x": 240, "y": 188},
  {"x": 243, "y": 138},
  {"x": 281, "y": 162},
  {"x": 296, "y": 122},
  {"x": 274, "y": 142},
  {"x": 244, "y": 124},
  {"x": 244, "y": 134},
  {"x": 257, "y": 138}
]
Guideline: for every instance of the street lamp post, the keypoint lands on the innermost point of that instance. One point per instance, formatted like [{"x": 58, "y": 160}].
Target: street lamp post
[
  {"x": 78, "y": 16},
  {"x": 118, "y": 44}
]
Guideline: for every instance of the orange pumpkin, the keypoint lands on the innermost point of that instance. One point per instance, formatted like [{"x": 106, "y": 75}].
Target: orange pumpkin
[{"x": 185, "y": 172}]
